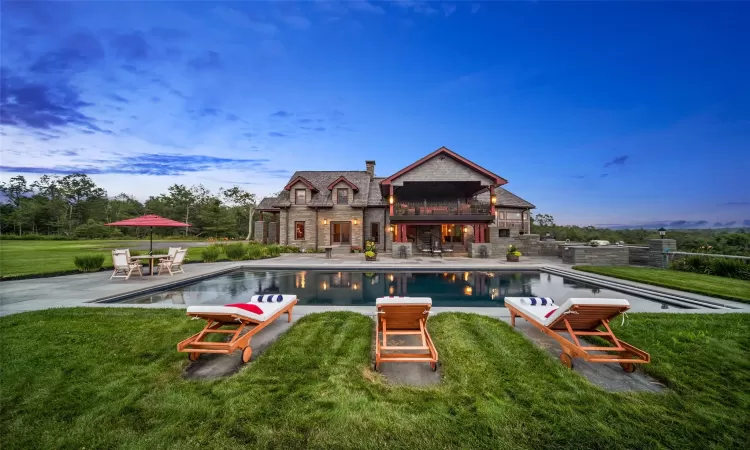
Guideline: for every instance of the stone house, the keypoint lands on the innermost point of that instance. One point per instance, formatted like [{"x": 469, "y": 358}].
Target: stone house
[{"x": 442, "y": 200}]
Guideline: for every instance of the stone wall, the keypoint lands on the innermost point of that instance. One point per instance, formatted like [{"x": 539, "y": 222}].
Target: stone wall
[
  {"x": 381, "y": 217},
  {"x": 273, "y": 233},
  {"x": 283, "y": 235},
  {"x": 637, "y": 255},
  {"x": 397, "y": 246},
  {"x": 260, "y": 232},
  {"x": 608, "y": 255},
  {"x": 475, "y": 250},
  {"x": 340, "y": 214}
]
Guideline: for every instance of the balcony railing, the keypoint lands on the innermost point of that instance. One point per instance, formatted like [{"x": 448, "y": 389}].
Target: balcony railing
[{"x": 447, "y": 208}]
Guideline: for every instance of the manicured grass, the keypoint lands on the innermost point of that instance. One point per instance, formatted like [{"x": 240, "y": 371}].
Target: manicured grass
[
  {"x": 106, "y": 378},
  {"x": 20, "y": 258},
  {"x": 712, "y": 285}
]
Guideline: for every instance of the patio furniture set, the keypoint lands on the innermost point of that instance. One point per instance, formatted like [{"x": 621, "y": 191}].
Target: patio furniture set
[
  {"x": 436, "y": 250},
  {"x": 407, "y": 316},
  {"x": 125, "y": 264}
]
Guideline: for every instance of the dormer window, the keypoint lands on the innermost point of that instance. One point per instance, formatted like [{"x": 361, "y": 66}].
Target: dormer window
[
  {"x": 342, "y": 196},
  {"x": 300, "y": 197}
]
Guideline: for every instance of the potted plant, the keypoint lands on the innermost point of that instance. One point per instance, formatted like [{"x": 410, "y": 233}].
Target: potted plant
[
  {"x": 371, "y": 251},
  {"x": 512, "y": 254},
  {"x": 356, "y": 249}
]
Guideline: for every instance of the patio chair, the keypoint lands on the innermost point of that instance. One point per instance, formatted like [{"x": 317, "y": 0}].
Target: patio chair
[
  {"x": 173, "y": 266},
  {"x": 579, "y": 317},
  {"x": 232, "y": 320},
  {"x": 423, "y": 249},
  {"x": 170, "y": 254},
  {"x": 403, "y": 316},
  {"x": 123, "y": 266},
  {"x": 448, "y": 249},
  {"x": 436, "y": 250}
]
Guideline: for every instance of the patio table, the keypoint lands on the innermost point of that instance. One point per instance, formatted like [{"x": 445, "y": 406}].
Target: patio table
[{"x": 151, "y": 259}]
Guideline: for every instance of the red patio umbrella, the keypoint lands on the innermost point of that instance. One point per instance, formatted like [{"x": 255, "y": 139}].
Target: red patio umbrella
[{"x": 151, "y": 221}]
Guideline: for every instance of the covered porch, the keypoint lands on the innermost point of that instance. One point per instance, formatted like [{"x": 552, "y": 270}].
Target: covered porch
[{"x": 453, "y": 236}]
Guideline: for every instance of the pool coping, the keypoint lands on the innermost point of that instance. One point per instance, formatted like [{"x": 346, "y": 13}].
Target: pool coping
[{"x": 690, "y": 301}]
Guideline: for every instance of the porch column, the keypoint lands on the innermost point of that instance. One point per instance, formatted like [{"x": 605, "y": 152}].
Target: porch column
[
  {"x": 492, "y": 205},
  {"x": 403, "y": 232},
  {"x": 480, "y": 233},
  {"x": 390, "y": 197}
]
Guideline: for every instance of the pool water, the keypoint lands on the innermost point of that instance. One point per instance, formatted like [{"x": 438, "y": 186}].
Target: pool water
[{"x": 346, "y": 288}]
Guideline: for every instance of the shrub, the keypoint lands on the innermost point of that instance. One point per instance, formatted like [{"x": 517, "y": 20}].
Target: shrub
[
  {"x": 512, "y": 251},
  {"x": 211, "y": 253},
  {"x": 289, "y": 249},
  {"x": 371, "y": 247},
  {"x": 273, "y": 250},
  {"x": 254, "y": 252},
  {"x": 89, "y": 263},
  {"x": 356, "y": 249},
  {"x": 37, "y": 237},
  {"x": 236, "y": 252},
  {"x": 723, "y": 267},
  {"x": 370, "y": 254}
]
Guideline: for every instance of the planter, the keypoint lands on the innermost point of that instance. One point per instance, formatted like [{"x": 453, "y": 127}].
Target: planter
[
  {"x": 371, "y": 258},
  {"x": 512, "y": 258}
]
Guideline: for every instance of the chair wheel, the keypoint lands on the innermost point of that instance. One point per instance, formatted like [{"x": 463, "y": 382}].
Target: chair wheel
[
  {"x": 567, "y": 360},
  {"x": 628, "y": 367},
  {"x": 193, "y": 356},
  {"x": 247, "y": 353}
]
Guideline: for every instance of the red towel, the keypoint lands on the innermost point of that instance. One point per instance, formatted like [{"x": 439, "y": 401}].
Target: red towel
[{"x": 247, "y": 307}]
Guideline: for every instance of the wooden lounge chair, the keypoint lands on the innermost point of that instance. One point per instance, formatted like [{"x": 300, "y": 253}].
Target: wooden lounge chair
[
  {"x": 232, "y": 320},
  {"x": 405, "y": 316},
  {"x": 173, "y": 266},
  {"x": 123, "y": 266},
  {"x": 579, "y": 317}
]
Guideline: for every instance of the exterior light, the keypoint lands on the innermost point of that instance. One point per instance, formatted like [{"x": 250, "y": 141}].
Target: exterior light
[
  {"x": 390, "y": 199},
  {"x": 355, "y": 221},
  {"x": 466, "y": 229},
  {"x": 390, "y": 277},
  {"x": 325, "y": 221},
  {"x": 324, "y": 286},
  {"x": 467, "y": 290},
  {"x": 355, "y": 286},
  {"x": 662, "y": 232},
  {"x": 392, "y": 228},
  {"x": 493, "y": 199}
]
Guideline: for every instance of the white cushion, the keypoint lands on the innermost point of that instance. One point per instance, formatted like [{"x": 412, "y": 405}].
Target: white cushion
[
  {"x": 538, "y": 312},
  {"x": 403, "y": 301},
  {"x": 269, "y": 309}
]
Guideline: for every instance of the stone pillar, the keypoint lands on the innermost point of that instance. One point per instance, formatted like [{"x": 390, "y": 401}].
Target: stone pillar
[
  {"x": 272, "y": 232},
  {"x": 260, "y": 232},
  {"x": 656, "y": 250}
]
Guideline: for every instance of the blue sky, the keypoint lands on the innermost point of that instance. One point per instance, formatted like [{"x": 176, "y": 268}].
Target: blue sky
[{"x": 598, "y": 113}]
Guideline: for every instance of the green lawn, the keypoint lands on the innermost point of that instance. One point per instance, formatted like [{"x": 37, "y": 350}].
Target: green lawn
[
  {"x": 712, "y": 285},
  {"x": 111, "y": 378},
  {"x": 20, "y": 258}
]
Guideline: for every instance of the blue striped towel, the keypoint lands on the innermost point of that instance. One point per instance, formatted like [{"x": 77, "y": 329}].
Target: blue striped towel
[
  {"x": 270, "y": 298},
  {"x": 538, "y": 301}
]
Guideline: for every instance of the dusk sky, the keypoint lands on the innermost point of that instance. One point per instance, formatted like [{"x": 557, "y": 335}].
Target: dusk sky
[{"x": 598, "y": 113}]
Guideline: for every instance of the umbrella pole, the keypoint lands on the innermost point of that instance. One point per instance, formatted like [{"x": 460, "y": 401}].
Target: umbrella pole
[{"x": 151, "y": 242}]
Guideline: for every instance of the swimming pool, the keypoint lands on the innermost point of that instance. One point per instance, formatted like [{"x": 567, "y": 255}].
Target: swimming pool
[{"x": 347, "y": 288}]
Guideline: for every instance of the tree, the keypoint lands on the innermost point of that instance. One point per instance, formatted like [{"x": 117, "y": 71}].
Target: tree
[
  {"x": 239, "y": 197},
  {"x": 544, "y": 220}
]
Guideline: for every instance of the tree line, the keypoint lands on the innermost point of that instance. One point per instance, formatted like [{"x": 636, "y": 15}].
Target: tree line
[
  {"x": 74, "y": 206},
  {"x": 720, "y": 241}
]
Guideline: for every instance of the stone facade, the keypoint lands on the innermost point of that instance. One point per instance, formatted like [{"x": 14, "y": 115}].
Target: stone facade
[
  {"x": 475, "y": 250},
  {"x": 442, "y": 168},
  {"x": 397, "y": 246},
  {"x": 381, "y": 217},
  {"x": 273, "y": 233},
  {"x": 638, "y": 256},
  {"x": 340, "y": 213},
  {"x": 260, "y": 232}
]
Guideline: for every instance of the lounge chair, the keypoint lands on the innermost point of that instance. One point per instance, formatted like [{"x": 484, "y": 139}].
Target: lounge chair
[
  {"x": 579, "y": 317},
  {"x": 173, "y": 266},
  {"x": 232, "y": 320},
  {"x": 123, "y": 265},
  {"x": 405, "y": 316}
]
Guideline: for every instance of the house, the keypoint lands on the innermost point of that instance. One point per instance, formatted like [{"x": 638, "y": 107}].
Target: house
[{"x": 442, "y": 199}]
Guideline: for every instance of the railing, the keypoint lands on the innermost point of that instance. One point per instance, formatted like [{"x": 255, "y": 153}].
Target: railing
[{"x": 455, "y": 208}]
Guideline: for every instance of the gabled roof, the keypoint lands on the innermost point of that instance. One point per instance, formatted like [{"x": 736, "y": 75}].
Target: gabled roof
[
  {"x": 320, "y": 180},
  {"x": 342, "y": 179},
  {"x": 498, "y": 180},
  {"x": 505, "y": 198},
  {"x": 267, "y": 204},
  {"x": 300, "y": 179}
]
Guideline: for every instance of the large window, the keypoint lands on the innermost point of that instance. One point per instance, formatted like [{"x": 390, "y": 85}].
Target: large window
[
  {"x": 342, "y": 196},
  {"x": 299, "y": 230},
  {"x": 513, "y": 215},
  {"x": 300, "y": 197},
  {"x": 375, "y": 232}
]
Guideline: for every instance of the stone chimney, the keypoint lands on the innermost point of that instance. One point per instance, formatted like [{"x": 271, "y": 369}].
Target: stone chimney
[{"x": 370, "y": 168}]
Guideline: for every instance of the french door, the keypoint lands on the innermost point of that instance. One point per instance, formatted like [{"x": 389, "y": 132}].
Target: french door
[{"x": 341, "y": 233}]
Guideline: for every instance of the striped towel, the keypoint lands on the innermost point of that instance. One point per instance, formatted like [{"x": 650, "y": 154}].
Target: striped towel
[
  {"x": 538, "y": 301},
  {"x": 270, "y": 298}
]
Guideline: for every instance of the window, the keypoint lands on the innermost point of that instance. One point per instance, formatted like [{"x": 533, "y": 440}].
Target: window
[
  {"x": 300, "y": 197},
  {"x": 503, "y": 232},
  {"x": 342, "y": 196},
  {"x": 375, "y": 232},
  {"x": 513, "y": 215},
  {"x": 299, "y": 230},
  {"x": 500, "y": 215}
]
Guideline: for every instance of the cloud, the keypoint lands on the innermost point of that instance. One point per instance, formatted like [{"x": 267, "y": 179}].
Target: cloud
[
  {"x": 130, "y": 68},
  {"x": 320, "y": 129},
  {"x": 746, "y": 222},
  {"x": 240, "y": 19},
  {"x": 417, "y": 6},
  {"x": 475, "y": 8},
  {"x": 298, "y": 22},
  {"x": 272, "y": 47},
  {"x": 117, "y": 98},
  {"x": 276, "y": 134},
  {"x": 448, "y": 9},
  {"x": 281, "y": 114},
  {"x": 737, "y": 203},
  {"x": 603, "y": 175},
  {"x": 209, "y": 112},
  {"x": 305, "y": 120},
  {"x": 79, "y": 51},
  {"x": 365, "y": 6},
  {"x": 160, "y": 164},
  {"x": 680, "y": 224},
  {"x": 232, "y": 118},
  {"x": 168, "y": 33},
  {"x": 620, "y": 160},
  {"x": 206, "y": 61},
  {"x": 31, "y": 105},
  {"x": 131, "y": 46},
  {"x": 249, "y": 134}
]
